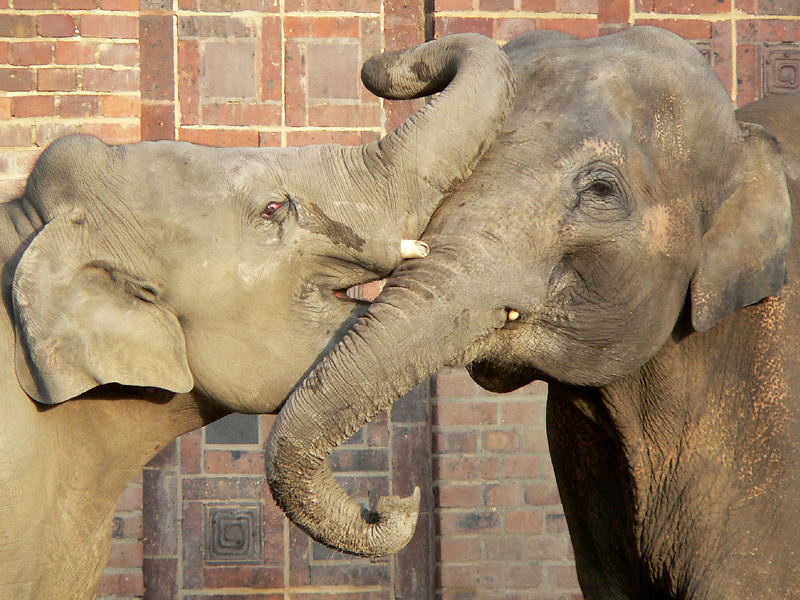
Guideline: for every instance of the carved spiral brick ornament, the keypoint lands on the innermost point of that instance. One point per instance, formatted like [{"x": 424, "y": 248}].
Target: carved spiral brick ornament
[
  {"x": 233, "y": 534},
  {"x": 781, "y": 68}
]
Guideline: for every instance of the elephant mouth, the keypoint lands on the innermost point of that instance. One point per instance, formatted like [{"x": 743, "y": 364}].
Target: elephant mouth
[{"x": 362, "y": 293}]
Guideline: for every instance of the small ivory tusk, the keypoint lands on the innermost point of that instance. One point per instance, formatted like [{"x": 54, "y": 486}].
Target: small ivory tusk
[
  {"x": 413, "y": 249},
  {"x": 513, "y": 315}
]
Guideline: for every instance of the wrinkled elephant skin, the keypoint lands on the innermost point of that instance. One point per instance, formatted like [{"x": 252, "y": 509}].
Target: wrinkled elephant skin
[
  {"x": 626, "y": 239},
  {"x": 152, "y": 288}
]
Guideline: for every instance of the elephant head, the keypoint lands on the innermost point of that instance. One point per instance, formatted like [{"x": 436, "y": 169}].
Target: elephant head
[
  {"x": 621, "y": 204},
  {"x": 222, "y": 271}
]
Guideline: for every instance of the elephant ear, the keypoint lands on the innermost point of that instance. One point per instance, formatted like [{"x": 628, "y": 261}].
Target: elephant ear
[
  {"x": 83, "y": 321},
  {"x": 744, "y": 250}
]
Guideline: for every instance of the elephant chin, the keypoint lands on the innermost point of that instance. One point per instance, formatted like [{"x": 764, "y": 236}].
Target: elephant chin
[{"x": 500, "y": 378}]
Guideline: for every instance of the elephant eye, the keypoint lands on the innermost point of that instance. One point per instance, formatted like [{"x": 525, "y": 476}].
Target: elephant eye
[
  {"x": 272, "y": 208},
  {"x": 600, "y": 188}
]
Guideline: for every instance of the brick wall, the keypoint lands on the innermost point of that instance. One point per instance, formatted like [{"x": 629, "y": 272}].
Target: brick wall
[{"x": 284, "y": 72}]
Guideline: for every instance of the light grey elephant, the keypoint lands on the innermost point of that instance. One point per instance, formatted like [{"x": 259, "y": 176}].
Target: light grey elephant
[
  {"x": 152, "y": 288},
  {"x": 626, "y": 239}
]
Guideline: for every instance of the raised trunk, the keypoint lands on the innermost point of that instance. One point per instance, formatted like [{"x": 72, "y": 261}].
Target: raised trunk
[
  {"x": 411, "y": 169},
  {"x": 380, "y": 359}
]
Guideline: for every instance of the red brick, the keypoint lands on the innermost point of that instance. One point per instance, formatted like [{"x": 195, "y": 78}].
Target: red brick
[
  {"x": 17, "y": 80},
  {"x": 535, "y": 442},
  {"x": 131, "y": 526},
  {"x": 33, "y": 4},
  {"x": 19, "y": 26},
  {"x": 555, "y": 523},
  {"x": 119, "y": 55},
  {"x": 539, "y": 5},
  {"x": 222, "y": 488},
  {"x": 31, "y": 53},
  {"x": 472, "y": 576},
  {"x": 110, "y": 80},
  {"x": 500, "y": 441},
  {"x": 261, "y": 6},
  {"x": 368, "y": 6},
  {"x": 449, "y": 495},
  {"x": 747, "y": 90},
  {"x": 12, "y": 134},
  {"x": 463, "y": 523},
  {"x": 344, "y": 115},
  {"x": 527, "y": 522},
  {"x": 581, "y": 28},
  {"x": 768, "y": 30},
  {"x": 120, "y": 106},
  {"x": 34, "y": 106},
  {"x": 131, "y": 499},
  {"x": 56, "y": 80},
  {"x": 455, "y": 442},
  {"x": 77, "y": 4},
  {"x": 522, "y": 467},
  {"x": 109, "y": 26},
  {"x": 450, "y": 25},
  {"x": 466, "y": 468},
  {"x": 271, "y": 139},
  {"x": 503, "y": 494},
  {"x": 508, "y": 29},
  {"x": 459, "y": 549},
  {"x": 542, "y": 494},
  {"x": 697, "y": 7},
  {"x": 548, "y": 547},
  {"x": 454, "y": 5},
  {"x": 158, "y": 123},
  {"x": 125, "y": 554},
  {"x": 191, "y": 452},
  {"x": 613, "y": 11},
  {"x": 188, "y": 81},
  {"x": 495, "y": 5},
  {"x": 585, "y": 7},
  {"x": 234, "y": 461},
  {"x": 126, "y": 5},
  {"x": 213, "y": 26},
  {"x": 529, "y": 576},
  {"x": 530, "y": 413},
  {"x": 464, "y": 413},
  {"x": 235, "y": 113},
  {"x": 322, "y": 27},
  {"x": 157, "y": 67},
  {"x": 5, "y": 112},
  {"x": 56, "y": 26},
  {"x": 562, "y": 577},
  {"x": 75, "y": 53},
  {"x": 453, "y": 382},
  {"x": 242, "y": 576},
  {"x": 768, "y": 7}
]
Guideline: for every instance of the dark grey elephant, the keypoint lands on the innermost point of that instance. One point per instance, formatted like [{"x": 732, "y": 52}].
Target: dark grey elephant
[
  {"x": 154, "y": 287},
  {"x": 625, "y": 240}
]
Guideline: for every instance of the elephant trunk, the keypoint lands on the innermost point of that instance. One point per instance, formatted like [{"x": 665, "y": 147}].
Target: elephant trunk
[
  {"x": 379, "y": 360},
  {"x": 438, "y": 147}
]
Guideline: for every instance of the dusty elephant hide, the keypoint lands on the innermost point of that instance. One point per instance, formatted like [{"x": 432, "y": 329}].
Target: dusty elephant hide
[
  {"x": 151, "y": 288},
  {"x": 626, "y": 239}
]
